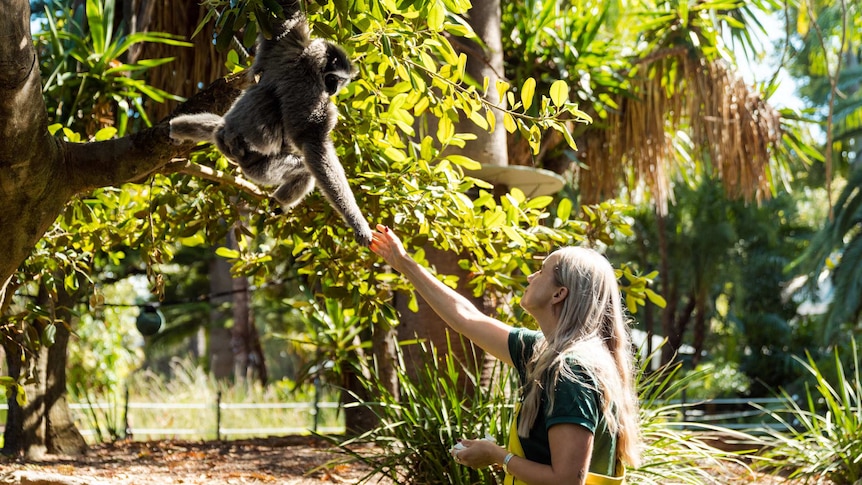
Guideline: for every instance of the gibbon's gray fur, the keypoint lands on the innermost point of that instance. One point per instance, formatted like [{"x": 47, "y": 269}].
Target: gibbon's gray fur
[{"x": 277, "y": 131}]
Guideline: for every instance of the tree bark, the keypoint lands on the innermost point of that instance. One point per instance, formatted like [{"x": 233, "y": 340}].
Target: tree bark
[
  {"x": 485, "y": 19},
  {"x": 32, "y": 189},
  {"x": 61, "y": 435},
  {"x": 40, "y": 172},
  {"x": 13, "y": 435},
  {"x": 218, "y": 352},
  {"x": 47, "y": 424}
]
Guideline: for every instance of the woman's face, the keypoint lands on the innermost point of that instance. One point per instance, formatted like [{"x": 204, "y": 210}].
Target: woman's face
[{"x": 542, "y": 290}]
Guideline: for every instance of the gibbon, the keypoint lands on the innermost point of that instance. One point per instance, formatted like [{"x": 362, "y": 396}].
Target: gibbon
[{"x": 278, "y": 129}]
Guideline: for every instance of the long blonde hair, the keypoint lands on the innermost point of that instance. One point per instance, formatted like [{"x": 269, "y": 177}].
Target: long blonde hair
[{"x": 592, "y": 329}]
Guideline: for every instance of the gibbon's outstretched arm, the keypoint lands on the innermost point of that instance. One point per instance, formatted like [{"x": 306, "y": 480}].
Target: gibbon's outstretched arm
[{"x": 322, "y": 161}]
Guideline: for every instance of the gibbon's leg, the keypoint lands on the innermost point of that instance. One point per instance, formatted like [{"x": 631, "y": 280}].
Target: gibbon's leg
[
  {"x": 196, "y": 127},
  {"x": 254, "y": 124},
  {"x": 268, "y": 169},
  {"x": 297, "y": 182},
  {"x": 322, "y": 161}
]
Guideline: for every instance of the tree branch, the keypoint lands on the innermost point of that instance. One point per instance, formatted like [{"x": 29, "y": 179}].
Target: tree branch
[
  {"x": 181, "y": 165},
  {"x": 137, "y": 156}
]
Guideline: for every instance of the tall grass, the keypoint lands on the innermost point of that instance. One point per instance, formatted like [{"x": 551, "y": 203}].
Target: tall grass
[
  {"x": 418, "y": 428},
  {"x": 190, "y": 384},
  {"x": 679, "y": 451},
  {"x": 823, "y": 440}
]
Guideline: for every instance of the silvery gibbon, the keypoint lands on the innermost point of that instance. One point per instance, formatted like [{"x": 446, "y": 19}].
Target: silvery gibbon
[{"x": 278, "y": 129}]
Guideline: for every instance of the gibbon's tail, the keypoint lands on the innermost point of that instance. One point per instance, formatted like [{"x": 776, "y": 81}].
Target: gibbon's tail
[{"x": 196, "y": 127}]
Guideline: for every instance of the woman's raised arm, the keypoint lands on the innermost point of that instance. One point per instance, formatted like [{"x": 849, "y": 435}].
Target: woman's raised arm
[{"x": 457, "y": 311}]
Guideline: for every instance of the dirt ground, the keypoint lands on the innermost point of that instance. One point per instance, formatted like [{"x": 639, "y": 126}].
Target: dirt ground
[
  {"x": 287, "y": 460},
  {"x": 292, "y": 460}
]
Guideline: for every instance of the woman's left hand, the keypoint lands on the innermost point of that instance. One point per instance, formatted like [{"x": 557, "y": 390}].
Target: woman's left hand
[{"x": 478, "y": 453}]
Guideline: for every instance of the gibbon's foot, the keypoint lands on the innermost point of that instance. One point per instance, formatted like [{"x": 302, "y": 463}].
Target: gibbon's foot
[{"x": 275, "y": 206}]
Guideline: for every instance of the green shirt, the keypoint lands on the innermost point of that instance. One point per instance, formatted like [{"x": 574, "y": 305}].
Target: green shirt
[{"x": 574, "y": 403}]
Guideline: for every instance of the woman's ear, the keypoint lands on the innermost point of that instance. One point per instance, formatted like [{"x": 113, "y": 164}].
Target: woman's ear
[{"x": 560, "y": 295}]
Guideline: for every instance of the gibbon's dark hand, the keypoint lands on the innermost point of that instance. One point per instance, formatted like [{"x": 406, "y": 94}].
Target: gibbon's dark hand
[
  {"x": 388, "y": 246},
  {"x": 363, "y": 236}
]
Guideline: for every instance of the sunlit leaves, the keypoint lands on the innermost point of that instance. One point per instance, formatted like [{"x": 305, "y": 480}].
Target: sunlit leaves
[
  {"x": 559, "y": 93},
  {"x": 527, "y": 92}
]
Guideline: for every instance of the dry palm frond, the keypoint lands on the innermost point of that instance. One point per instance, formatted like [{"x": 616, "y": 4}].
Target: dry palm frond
[{"x": 731, "y": 129}]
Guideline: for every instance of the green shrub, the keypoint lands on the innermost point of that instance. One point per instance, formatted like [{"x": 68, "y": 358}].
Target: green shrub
[
  {"x": 679, "y": 451},
  {"x": 435, "y": 408},
  {"x": 823, "y": 437}
]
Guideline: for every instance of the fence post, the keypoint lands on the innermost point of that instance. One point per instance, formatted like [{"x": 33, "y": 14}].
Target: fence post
[
  {"x": 218, "y": 416},
  {"x": 127, "y": 431}
]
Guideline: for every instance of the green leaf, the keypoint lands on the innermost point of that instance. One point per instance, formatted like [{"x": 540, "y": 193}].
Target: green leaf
[
  {"x": 564, "y": 209},
  {"x": 502, "y": 88},
  {"x": 509, "y": 123},
  {"x": 527, "y": 93},
  {"x": 227, "y": 253},
  {"x": 21, "y": 397},
  {"x": 466, "y": 162},
  {"x": 559, "y": 93},
  {"x": 655, "y": 298},
  {"x": 436, "y": 16},
  {"x": 49, "y": 334},
  {"x": 445, "y": 130},
  {"x": 105, "y": 133},
  {"x": 540, "y": 202},
  {"x": 514, "y": 236}
]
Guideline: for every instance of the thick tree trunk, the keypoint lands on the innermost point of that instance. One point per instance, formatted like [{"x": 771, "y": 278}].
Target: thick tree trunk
[
  {"x": 32, "y": 193},
  {"x": 13, "y": 435},
  {"x": 48, "y": 426},
  {"x": 488, "y": 149},
  {"x": 425, "y": 324},
  {"x": 700, "y": 325},
  {"x": 62, "y": 436},
  {"x": 485, "y": 19},
  {"x": 248, "y": 358}
]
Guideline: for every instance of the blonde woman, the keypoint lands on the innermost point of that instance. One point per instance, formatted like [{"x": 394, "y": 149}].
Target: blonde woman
[{"x": 577, "y": 422}]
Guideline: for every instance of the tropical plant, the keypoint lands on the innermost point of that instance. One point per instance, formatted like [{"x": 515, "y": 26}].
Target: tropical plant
[
  {"x": 420, "y": 425},
  {"x": 418, "y": 429},
  {"x": 821, "y": 430},
  {"x": 680, "y": 451},
  {"x": 86, "y": 82},
  {"x": 824, "y": 59},
  {"x": 837, "y": 249}
]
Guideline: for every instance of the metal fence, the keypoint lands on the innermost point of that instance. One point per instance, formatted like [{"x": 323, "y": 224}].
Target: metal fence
[
  {"x": 210, "y": 417},
  {"x": 732, "y": 413},
  {"x": 736, "y": 414}
]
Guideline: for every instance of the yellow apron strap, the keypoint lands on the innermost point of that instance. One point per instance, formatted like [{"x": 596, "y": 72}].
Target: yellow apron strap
[
  {"x": 514, "y": 447},
  {"x": 596, "y": 479}
]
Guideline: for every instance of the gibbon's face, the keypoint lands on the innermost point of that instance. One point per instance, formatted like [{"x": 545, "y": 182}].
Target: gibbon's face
[
  {"x": 338, "y": 70},
  {"x": 543, "y": 292}
]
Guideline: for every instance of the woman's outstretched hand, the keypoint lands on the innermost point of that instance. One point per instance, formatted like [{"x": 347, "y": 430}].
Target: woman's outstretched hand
[{"x": 388, "y": 246}]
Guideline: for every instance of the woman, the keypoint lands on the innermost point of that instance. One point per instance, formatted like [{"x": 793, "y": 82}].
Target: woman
[{"x": 578, "y": 409}]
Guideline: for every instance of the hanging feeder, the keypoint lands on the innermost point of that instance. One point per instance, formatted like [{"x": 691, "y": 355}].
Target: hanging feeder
[{"x": 150, "y": 320}]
